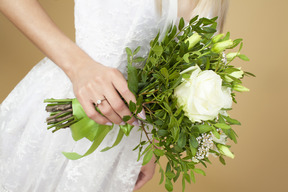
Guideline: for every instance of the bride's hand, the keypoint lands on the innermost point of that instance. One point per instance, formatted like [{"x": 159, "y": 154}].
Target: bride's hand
[
  {"x": 146, "y": 174},
  {"x": 93, "y": 82}
]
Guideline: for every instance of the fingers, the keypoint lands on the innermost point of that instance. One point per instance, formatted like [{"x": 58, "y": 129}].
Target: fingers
[
  {"x": 92, "y": 113},
  {"x": 105, "y": 107},
  {"x": 118, "y": 105},
  {"x": 121, "y": 86},
  {"x": 109, "y": 113},
  {"x": 90, "y": 88},
  {"x": 143, "y": 178},
  {"x": 146, "y": 174}
]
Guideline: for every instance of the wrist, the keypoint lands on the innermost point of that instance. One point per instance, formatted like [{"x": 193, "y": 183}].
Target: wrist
[{"x": 73, "y": 60}]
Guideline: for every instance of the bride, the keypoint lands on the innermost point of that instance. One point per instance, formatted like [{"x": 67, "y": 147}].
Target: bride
[{"x": 92, "y": 69}]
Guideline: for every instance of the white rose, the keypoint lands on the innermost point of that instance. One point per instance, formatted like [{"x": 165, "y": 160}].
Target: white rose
[{"x": 202, "y": 95}]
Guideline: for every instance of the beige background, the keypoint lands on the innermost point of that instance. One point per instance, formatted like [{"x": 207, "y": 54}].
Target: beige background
[{"x": 261, "y": 159}]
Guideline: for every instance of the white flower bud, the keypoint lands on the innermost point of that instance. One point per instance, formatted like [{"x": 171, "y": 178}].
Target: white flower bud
[
  {"x": 240, "y": 88},
  {"x": 223, "y": 149},
  {"x": 193, "y": 40},
  {"x": 217, "y": 38},
  {"x": 231, "y": 56},
  {"x": 221, "y": 46}
]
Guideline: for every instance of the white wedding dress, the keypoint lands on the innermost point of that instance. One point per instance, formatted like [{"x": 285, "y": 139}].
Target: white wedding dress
[{"x": 30, "y": 155}]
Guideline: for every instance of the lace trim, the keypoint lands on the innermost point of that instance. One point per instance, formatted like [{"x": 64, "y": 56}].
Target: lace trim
[{"x": 2, "y": 189}]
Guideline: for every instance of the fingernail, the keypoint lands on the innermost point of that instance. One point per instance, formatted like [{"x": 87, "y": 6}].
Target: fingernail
[
  {"x": 135, "y": 123},
  {"x": 109, "y": 123},
  {"x": 142, "y": 114},
  {"x": 122, "y": 123}
]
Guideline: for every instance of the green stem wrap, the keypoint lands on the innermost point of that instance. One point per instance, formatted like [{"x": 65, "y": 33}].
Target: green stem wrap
[{"x": 85, "y": 127}]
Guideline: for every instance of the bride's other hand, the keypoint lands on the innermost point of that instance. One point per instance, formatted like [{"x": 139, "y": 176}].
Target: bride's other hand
[
  {"x": 146, "y": 174},
  {"x": 93, "y": 82}
]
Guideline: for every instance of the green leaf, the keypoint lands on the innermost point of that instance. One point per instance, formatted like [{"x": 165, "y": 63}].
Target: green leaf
[
  {"x": 236, "y": 43},
  {"x": 174, "y": 75},
  {"x": 241, "y": 46},
  {"x": 147, "y": 158},
  {"x": 170, "y": 174},
  {"x": 153, "y": 60},
  {"x": 199, "y": 171},
  {"x": 232, "y": 121},
  {"x": 243, "y": 57},
  {"x": 177, "y": 174},
  {"x": 204, "y": 128},
  {"x": 132, "y": 79},
  {"x": 192, "y": 176},
  {"x": 227, "y": 36},
  {"x": 181, "y": 24},
  {"x": 136, "y": 50},
  {"x": 183, "y": 184},
  {"x": 249, "y": 74},
  {"x": 231, "y": 134},
  {"x": 207, "y": 21},
  {"x": 168, "y": 185},
  {"x": 136, "y": 147},
  {"x": 209, "y": 30},
  {"x": 158, "y": 50},
  {"x": 215, "y": 133},
  {"x": 187, "y": 177},
  {"x": 164, "y": 72},
  {"x": 161, "y": 171},
  {"x": 132, "y": 106},
  {"x": 162, "y": 132},
  {"x": 193, "y": 150},
  {"x": 186, "y": 57},
  {"x": 182, "y": 140},
  {"x": 194, "y": 19},
  {"x": 168, "y": 167},
  {"x": 193, "y": 141},
  {"x": 222, "y": 160},
  {"x": 221, "y": 118},
  {"x": 128, "y": 51},
  {"x": 126, "y": 128},
  {"x": 222, "y": 126},
  {"x": 159, "y": 152},
  {"x": 138, "y": 60},
  {"x": 176, "y": 82},
  {"x": 126, "y": 118}
]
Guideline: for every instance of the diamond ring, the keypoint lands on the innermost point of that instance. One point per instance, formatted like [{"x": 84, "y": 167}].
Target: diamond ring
[{"x": 99, "y": 101}]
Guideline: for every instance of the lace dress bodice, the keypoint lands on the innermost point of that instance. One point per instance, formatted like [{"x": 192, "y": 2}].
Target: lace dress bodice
[{"x": 105, "y": 28}]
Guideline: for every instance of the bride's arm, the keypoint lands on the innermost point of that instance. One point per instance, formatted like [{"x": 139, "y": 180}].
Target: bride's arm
[
  {"x": 31, "y": 19},
  {"x": 91, "y": 81}
]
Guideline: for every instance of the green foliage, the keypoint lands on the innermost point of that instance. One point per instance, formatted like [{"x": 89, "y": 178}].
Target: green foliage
[{"x": 173, "y": 135}]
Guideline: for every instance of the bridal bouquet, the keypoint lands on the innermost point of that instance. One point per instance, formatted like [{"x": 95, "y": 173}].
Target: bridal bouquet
[{"x": 186, "y": 87}]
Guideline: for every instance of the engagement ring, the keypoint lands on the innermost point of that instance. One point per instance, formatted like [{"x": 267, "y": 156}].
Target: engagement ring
[{"x": 99, "y": 101}]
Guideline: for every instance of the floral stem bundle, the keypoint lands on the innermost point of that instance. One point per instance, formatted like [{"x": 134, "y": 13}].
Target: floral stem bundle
[{"x": 186, "y": 87}]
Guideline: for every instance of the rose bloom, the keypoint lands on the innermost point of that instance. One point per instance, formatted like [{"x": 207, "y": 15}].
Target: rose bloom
[{"x": 202, "y": 95}]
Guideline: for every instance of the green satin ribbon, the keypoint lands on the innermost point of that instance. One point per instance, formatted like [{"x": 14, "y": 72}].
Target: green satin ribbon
[{"x": 85, "y": 127}]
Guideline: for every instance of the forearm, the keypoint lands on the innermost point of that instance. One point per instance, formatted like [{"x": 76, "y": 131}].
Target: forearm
[{"x": 32, "y": 20}]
